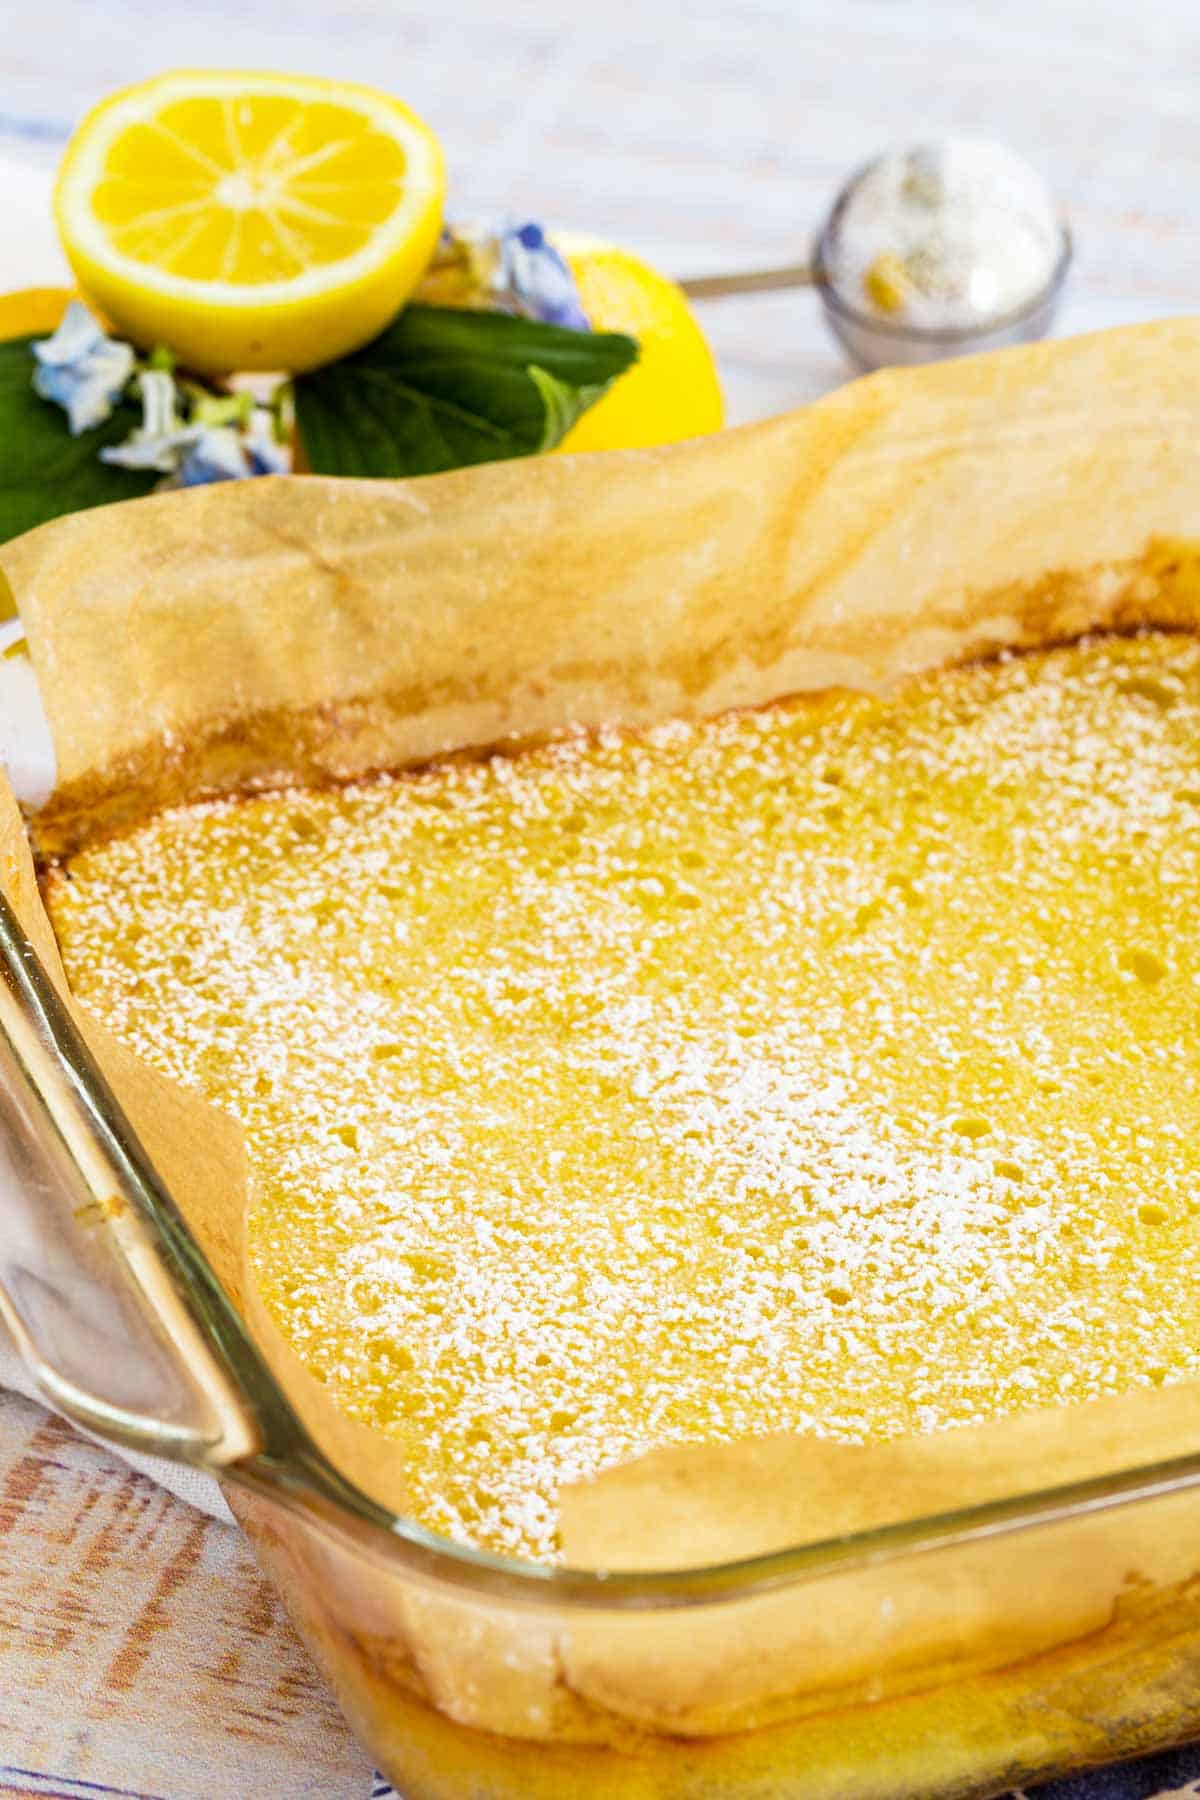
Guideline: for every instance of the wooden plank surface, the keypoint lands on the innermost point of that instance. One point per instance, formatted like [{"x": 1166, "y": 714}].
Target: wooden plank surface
[{"x": 140, "y": 1651}]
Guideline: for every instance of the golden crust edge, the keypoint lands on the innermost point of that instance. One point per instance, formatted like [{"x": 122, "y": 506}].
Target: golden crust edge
[{"x": 354, "y": 740}]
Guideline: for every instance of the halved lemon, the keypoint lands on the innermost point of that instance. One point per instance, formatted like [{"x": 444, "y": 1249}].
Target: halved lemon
[{"x": 250, "y": 221}]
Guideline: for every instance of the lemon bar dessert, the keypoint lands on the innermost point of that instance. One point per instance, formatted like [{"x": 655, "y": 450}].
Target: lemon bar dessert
[{"x": 814, "y": 1068}]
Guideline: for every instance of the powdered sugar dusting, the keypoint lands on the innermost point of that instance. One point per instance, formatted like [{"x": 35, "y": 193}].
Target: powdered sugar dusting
[{"x": 824, "y": 1068}]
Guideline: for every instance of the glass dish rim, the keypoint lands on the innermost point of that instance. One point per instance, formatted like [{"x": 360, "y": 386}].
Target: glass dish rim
[{"x": 400, "y": 1542}]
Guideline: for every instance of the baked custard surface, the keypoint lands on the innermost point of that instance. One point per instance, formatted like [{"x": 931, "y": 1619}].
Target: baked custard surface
[{"x": 822, "y": 1068}]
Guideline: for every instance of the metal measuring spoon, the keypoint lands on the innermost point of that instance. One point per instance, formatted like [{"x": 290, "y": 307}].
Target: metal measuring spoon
[{"x": 935, "y": 251}]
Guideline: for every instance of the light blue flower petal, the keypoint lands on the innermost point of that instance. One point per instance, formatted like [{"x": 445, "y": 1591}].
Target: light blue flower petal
[
  {"x": 163, "y": 451},
  {"x": 88, "y": 389},
  {"x": 55, "y": 384},
  {"x": 217, "y": 455},
  {"x": 77, "y": 336},
  {"x": 81, "y": 370},
  {"x": 513, "y": 268},
  {"x": 265, "y": 455},
  {"x": 160, "y": 441},
  {"x": 535, "y": 280},
  {"x": 160, "y": 411}
]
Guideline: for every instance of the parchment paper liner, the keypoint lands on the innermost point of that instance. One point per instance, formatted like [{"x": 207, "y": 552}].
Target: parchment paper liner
[{"x": 282, "y": 630}]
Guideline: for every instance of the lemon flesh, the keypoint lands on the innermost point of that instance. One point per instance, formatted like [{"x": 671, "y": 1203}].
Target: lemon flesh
[
  {"x": 828, "y": 1068},
  {"x": 250, "y": 221}
]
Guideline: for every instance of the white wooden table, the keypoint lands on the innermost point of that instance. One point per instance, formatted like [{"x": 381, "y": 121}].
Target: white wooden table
[{"x": 140, "y": 1652}]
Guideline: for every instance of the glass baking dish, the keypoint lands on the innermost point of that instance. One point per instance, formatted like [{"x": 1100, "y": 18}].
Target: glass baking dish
[
  {"x": 955, "y": 1654},
  {"x": 233, "y": 635}
]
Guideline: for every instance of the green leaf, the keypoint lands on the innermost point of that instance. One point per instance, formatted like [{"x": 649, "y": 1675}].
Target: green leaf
[
  {"x": 442, "y": 387},
  {"x": 563, "y": 404},
  {"x": 44, "y": 471}
]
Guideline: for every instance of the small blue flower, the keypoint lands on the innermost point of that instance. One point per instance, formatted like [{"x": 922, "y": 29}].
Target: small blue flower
[
  {"x": 225, "y": 436},
  {"x": 265, "y": 455},
  {"x": 161, "y": 438},
  {"x": 82, "y": 370},
  {"x": 533, "y": 279},
  {"x": 512, "y": 268},
  {"x": 216, "y": 453},
  {"x": 219, "y": 453}
]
